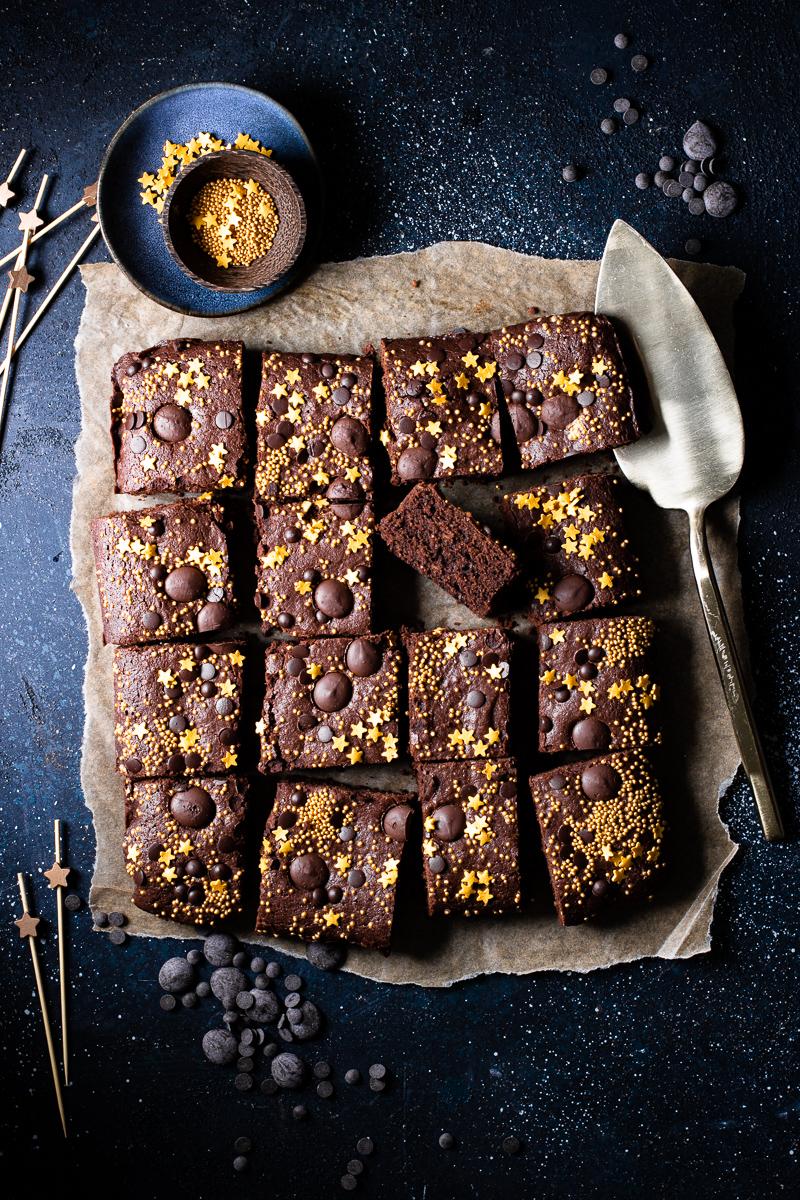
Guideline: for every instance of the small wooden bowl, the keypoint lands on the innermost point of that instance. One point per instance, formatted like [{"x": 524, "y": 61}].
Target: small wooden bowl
[{"x": 234, "y": 164}]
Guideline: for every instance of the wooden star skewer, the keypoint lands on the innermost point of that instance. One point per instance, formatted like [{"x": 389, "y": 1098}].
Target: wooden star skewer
[
  {"x": 87, "y": 200},
  {"x": 27, "y": 926},
  {"x": 6, "y": 194},
  {"x": 28, "y": 223},
  {"x": 51, "y": 295},
  {"x": 57, "y": 875}
]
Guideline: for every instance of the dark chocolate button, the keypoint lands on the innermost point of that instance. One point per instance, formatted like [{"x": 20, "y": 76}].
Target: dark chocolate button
[
  {"x": 557, "y": 783},
  {"x": 133, "y": 765},
  {"x": 396, "y": 821},
  {"x": 416, "y": 463},
  {"x": 450, "y": 822},
  {"x": 476, "y": 698},
  {"x": 213, "y": 616},
  {"x": 436, "y": 865},
  {"x": 545, "y": 724},
  {"x": 468, "y": 658},
  {"x": 356, "y": 878},
  {"x": 572, "y": 593},
  {"x": 514, "y": 360},
  {"x": 224, "y": 419},
  {"x": 333, "y": 598},
  {"x": 138, "y": 444},
  {"x": 171, "y": 423},
  {"x": 560, "y": 410},
  {"x": 225, "y": 706},
  {"x": 600, "y": 781},
  {"x": 193, "y": 808},
  {"x": 332, "y": 692},
  {"x": 328, "y": 370},
  {"x": 185, "y": 584},
  {"x": 176, "y": 764},
  {"x": 406, "y": 425},
  {"x": 534, "y": 360},
  {"x": 340, "y": 396},
  {"x": 363, "y": 658},
  {"x": 309, "y": 871},
  {"x": 596, "y": 654},
  {"x": 590, "y": 734},
  {"x": 495, "y": 428},
  {"x": 151, "y": 620},
  {"x": 524, "y": 423},
  {"x": 508, "y": 789},
  {"x": 349, "y": 437}
]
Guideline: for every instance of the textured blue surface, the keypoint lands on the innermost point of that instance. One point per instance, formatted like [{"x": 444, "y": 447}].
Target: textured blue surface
[
  {"x": 133, "y": 231},
  {"x": 430, "y": 122}
]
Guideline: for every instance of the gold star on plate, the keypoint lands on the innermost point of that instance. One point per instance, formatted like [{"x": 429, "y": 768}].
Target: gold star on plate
[
  {"x": 20, "y": 279},
  {"x": 27, "y": 925},
  {"x": 29, "y": 222},
  {"x": 57, "y": 875}
]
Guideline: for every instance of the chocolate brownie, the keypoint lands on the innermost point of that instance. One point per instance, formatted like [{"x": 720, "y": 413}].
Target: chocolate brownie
[
  {"x": 566, "y": 386},
  {"x": 441, "y": 408},
  {"x": 163, "y": 572},
  {"x": 574, "y": 545},
  {"x": 178, "y": 708},
  {"x": 176, "y": 418},
  {"x": 184, "y": 846},
  {"x": 596, "y": 690},
  {"x": 602, "y": 832},
  {"x": 314, "y": 569},
  {"x": 458, "y": 691},
  {"x": 329, "y": 863},
  {"x": 470, "y": 846},
  {"x": 313, "y": 427},
  {"x": 331, "y": 702},
  {"x": 447, "y": 544}
]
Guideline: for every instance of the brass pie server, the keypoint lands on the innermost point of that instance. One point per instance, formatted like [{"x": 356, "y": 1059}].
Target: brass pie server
[{"x": 693, "y": 453}]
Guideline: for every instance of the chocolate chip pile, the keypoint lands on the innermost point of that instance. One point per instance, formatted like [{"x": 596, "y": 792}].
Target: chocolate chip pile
[
  {"x": 253, "y": 994},
  {"x": 695, "y": 180}
]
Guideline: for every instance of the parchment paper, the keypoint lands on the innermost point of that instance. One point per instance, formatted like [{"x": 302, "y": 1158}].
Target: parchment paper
[{"x": 340, "y": 308}]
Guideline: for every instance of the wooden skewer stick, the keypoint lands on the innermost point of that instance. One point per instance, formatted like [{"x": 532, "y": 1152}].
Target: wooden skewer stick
[
  {"x": 51, "y": 295},
  {"x": 6, "y": 193},
  {"x": 27, "y": 928},
  {"x": 45, "y": 229},
  {"x": 21, "y": 258},
  {"x": 57, "y": 876}
]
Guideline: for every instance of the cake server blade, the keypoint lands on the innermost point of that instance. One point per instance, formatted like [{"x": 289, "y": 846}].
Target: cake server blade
[{"x": 692, "y": 454}]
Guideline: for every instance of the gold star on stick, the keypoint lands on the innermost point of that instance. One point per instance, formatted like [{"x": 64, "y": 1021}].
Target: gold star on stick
[
  {"x": 6, "y": 193},
  {"x": 29, "y": 222},
  {"x": 20, "y": 279},
  {"x": 27, "y": 929},
  {"x": 16, "y": 293},
  {"x": 57, "y": 876}
]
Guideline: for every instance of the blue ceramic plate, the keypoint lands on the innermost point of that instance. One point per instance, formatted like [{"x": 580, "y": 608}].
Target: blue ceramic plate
[{"x": 132, "y": 230}]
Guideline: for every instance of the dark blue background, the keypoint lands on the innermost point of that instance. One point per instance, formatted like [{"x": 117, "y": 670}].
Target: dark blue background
[{"x": 432, "y": 122}]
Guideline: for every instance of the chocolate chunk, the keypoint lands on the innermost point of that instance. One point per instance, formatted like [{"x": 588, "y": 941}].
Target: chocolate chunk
[
  {"x": 396, "y": 821},
  {"x": 193, "y": 808},
  {"x": 332, "y": 692},
  {"x": 590, "y": 734},
  {"x": 699, "y": 141},
  {"x": 450, "y": 822},
  {"x": 333, "y": 598},
  {"x": 288, "y": 1070},
  {"x": 171, "y": 423},
  {"x": 212, "y": 617},
  {"x": 185, "y": 583},
  {"x": 720, "y": 199},
  {"x": 416, "y": 463},
  {"x": 363, "y": 658},
  {"x": 572, "y": 593},
  {"x": 600, "y": 781},
  {"x": 560, "y": 410},
  {"x": 309, "y": 871}
]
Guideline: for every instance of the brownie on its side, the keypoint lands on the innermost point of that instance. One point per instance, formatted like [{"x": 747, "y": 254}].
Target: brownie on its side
[
  {"x": 602, "y": 832},
  {"x": 329, "y": 863},
  {"x": 331, "y": 702},
  {"x": 595, "y": 687},
  {"x": 314, "y": 566},
  {"x": 566, "y": 386},
  {"x": 573, "y": 544},
  {"x": 458, "y": 693},
  {"x": 163, "y": 572},
  {"x": 176, "y": 418},
  {"x": 184, "y": 846},
  {"x": 441, "y": 408},
  {"x": 313, "y": 427},
  {"x": 177, "y": 708},
  {"x": 447, "y": 544},
  {"x": 470, "y": 847}
]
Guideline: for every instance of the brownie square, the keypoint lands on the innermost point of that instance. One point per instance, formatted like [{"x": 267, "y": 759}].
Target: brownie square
[
  {"x": 313, "y": 427},
  {"x": 184, "y": 846},
  {"x": 176, "y": 418},
  {"x": 470, "y": 848},
  {"x": 566, "y": 386},
  {"x": 458, "y": 693},
  {"x": 441, "y": 408},
  {"x": 314, "y": 566},
  {"x": 331, "y": 702},
  {"x": 178, "y": 708},
  {"x": 596, "y": 686},
  {"x": 163, "y": 572},
  {"x": 602, "y": 832},
  {"x": 447, "y": 544},
  {"x": 329, "y": 863},
  {"x": 574, "y": 545}
]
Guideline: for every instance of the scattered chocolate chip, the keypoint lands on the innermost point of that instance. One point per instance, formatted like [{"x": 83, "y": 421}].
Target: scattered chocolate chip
[
  {"x": 299, "y": 1112},
  {"x": 446, "y": 1141},
  {"x": 569, "y": 174},
  {"x": 243, "y": 1145},
  {"x": 608, "y": 125},
  {"x": 377, "y": 1085},
  {"x": 630, "y": 116},
  {"x": 511, "y": 1145},
  {"x": 240, "y": 1163},
  {"x": 326, "y": 957},
  {"x": 699, "y": 141},
  {"x": 720, "y": 199},
  {"x": 355, "y": 1166},
  {"x": 72, "y": 902},
  {"x": 325, "y": 1089},
  {"x": 243, "y": 1082},
  {"x": 692, "y": 245},
  {"x": 219, "y": 949},
  {"x": 349, "y": 1182},
  {"x": 621, "y": 41},
  {"x": 640, "y": 62},
  {"x": 168, "y": 1003},
  {"x": 117, "y": 919},
  {"x": 598, "y": 76},
  {"x": 352, "y": 1076},
  {"x": 365, "y": 1146}
]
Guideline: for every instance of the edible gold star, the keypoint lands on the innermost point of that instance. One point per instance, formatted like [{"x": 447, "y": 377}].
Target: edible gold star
[
  {"x": 229, "y": 758},
  {"x": 587, "y": 705},
  {"x": 339, "y": 743},
  {"x": 332, "y": 918},
  {"x": 606, "y": 580},
  {"x": 556, "y": 636},
  {"x": 218, "y": 885},
  {"x": 470, "y": 359},
  {"x": 166, "y": 857}
]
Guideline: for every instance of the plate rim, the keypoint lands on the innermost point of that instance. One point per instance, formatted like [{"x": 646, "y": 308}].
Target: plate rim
[{"x": 291, "y": 275}]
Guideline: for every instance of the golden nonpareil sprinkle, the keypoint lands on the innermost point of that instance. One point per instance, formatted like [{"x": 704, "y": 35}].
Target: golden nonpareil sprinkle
[{"x": 234, "y": 221}]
